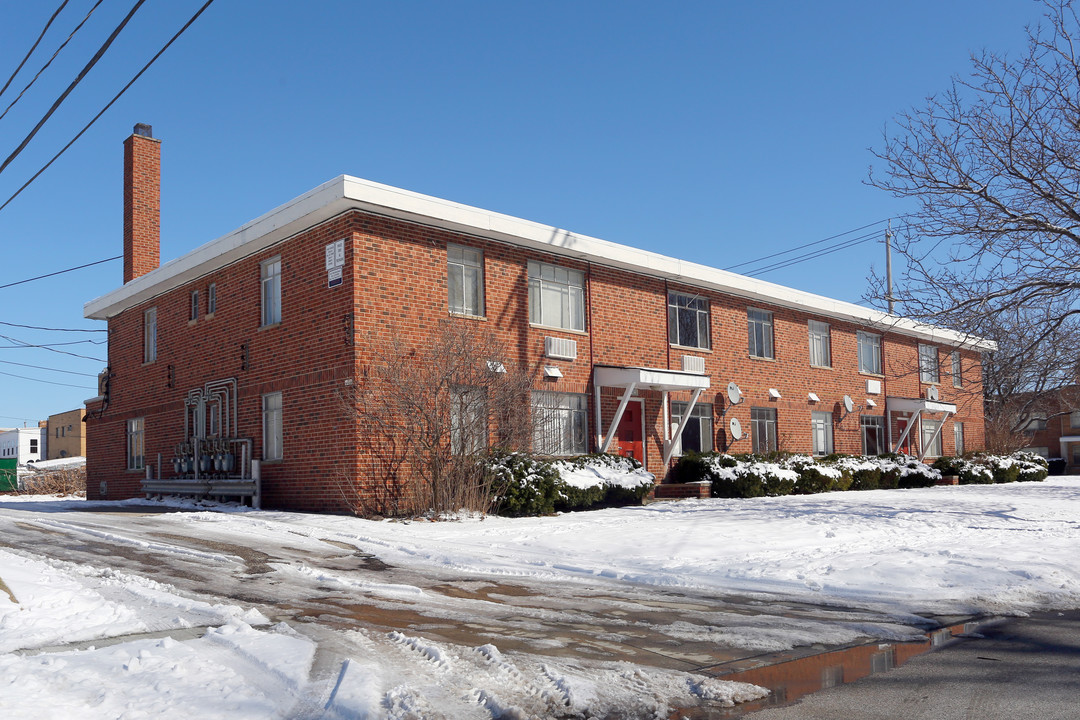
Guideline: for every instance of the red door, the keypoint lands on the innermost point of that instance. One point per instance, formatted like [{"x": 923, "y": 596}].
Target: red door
[
  {"x": 901, "y": 426},
  {"x": 628, "y": 440}
]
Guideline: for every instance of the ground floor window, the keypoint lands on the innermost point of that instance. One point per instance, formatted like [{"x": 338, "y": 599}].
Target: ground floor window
[
  {"x": 468, "y": 420},
  {"x": 821, "y": 432},
  {"x": 931, "y": 438},
  {"x": 698, "y": 434},
  {"x": 560, "y": 423},
  {"x": 763, "y": 429},
  {"x": 272, "y": 427},
  {"x": 873, "y": 434},
  {"x": 958, "y": 437},
  {"x": 136, "y": 456}
]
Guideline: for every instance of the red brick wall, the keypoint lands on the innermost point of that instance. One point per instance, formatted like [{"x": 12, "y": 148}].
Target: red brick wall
[{"x": 142, "y": 205}]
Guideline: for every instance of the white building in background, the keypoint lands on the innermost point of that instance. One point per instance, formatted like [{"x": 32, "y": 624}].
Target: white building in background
[{"x": 23, "y": 444}]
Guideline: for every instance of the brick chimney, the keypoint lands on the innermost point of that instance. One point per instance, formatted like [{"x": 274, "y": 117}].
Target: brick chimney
[{"x": 142, "y": 203}]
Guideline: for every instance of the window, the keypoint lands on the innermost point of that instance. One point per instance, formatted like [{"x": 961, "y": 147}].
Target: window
[
  {"x": 931, "y": 438},
  {"x": 698, "y": 434},
  {"x": 194, "y": 305},
  {"x": 468, "y": 421},
  {"x": 1040, "y": 451},
  {"x": 556, "y": 296},
  {"x": 958, "y": 437},
  {"x": 135, "y": 447},
  {"x": 821, "y": 432},
  {"x": 688, "y": 320},
  {"x": 272, "y": 428},
  {"x": 33, "y": 445},
  {"x": 873, "y": 434},
  {"x": 869, "y": 353},
  {"x": 465, "y": 280},
  {"x": 1074, "y": 419},
  {"x": 211, "y": 299},
  {"x": 820, "y": 347},
  {"x": 561, "y": 425},
  {"x": 150, "y": 335},
  {"x": 957, "y": 371},
  {"x": 271, "y": 291},
  {"x": 928, "y": 364},
  {"x": 763, "y": 429},
  {"x": 1034, "y": 425},
  {"x": 760, "y": 325}
]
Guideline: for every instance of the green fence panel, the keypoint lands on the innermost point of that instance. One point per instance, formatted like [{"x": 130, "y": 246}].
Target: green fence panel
[{"x": 9, "y": 478}]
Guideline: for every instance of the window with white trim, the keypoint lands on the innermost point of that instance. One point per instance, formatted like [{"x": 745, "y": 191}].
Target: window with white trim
[
  {"x": 928, "y": 364},
  {"x": 556, "y": 296},
  {"x": 760, "y": 329},
  {"x": 697, "y": 436},
  {"x": 211, "y": 299},
  {"x": 688, "y": 320},
  {"x": 763, "y": 430},
  {"x": 273, "y": 431},
  {"x": 872, "y": 428},
  {"x": 270, "y": 274},
  {"x": 957, "y": 370},
  {"x": 136, "y": 453},
  {"x": 468, "y": 420},
  {"x": 150, "y": 335},
  {"x": 820, "y": 344},
  {"x": 465, "y": 280},
  {"x": 958, "y": 437},
  {"x": 931, "y": 438},
  {"x": 821, "y": 432},
  {"x": 560, "y": 423},
  {"x": 869, "y": 353},
  {"x": 194, "y": 305}
]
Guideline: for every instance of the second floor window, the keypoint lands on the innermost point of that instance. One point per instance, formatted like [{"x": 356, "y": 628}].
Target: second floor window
[
  {"x": 688, "y": 320},
  {"x": 869, "y": 353},
  {"x": 556, "y": 296},
  {"x": 150, "y": 335},
  {"x": 465, "y": 280},
  {"x": 957, "y": 370},
  {"x": 760, "y": 324},
  {"x": 928, "y": 364},
  {"x": 194, "y": 304},
  {"x": 820, "y": 347},
  {"x": 271, "y": 291},
  {"x": 211, "y": 299}
]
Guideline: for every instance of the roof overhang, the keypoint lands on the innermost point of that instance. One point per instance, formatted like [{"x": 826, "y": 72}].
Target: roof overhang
[
  {"x": 898, "y": 404},
  {"x": 349, "y": 193},
  {"x": 648, "y": 378}
]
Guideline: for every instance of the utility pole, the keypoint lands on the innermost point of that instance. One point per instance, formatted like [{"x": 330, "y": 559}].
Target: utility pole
[{"x": 888, "y": 267}]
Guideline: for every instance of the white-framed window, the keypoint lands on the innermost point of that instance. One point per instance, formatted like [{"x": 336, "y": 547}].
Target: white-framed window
[
  {"x": 136, "y": 453},
  {"x": 931, "y": 438},
  {"x": 928, "y": 364},
  {"x": 698, "y": 434},
  {"x": 270, "y": 273},
  {"x": 465, "y": 280},
  {"x": 760, "y": 326},
  {"x": 1034, "y": 425},
  {"x": 273, "y": 434},
  {"x": 763, "y": 429},
  {"x": 873, "y": 434},
  {"x": 820, "y": 344},
  {"x": 556, "y": 296},
  {"x": 688, "y": 320},
  {"x": 1074, "y": 419},
  {"x": 561, "y": 424},
  {"x": 33, "y": 446},
  {"x": 211, "y": 299},
  {"x": 468, "y": 420},
  {"x": 1040, "y": 451},
  {"x": 150, "y": 335},
  {"x": 869, "y": 353},
  {"x": 958, "y": 437},
  {"x": 821, "y": 432},
  {"x": 194, "y": 305},
  {"x": 957, "y": 370}
]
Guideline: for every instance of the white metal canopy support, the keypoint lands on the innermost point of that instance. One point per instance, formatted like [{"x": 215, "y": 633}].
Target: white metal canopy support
[
  {"x": 618, "y": 416},
  {"x": 907, "y": 431},
  {"x": 669, "y": 446},
  {"x": 941, "y": 426}
]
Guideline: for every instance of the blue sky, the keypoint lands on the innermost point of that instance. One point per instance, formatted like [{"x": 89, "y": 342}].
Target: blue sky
[{"x": 718, "y": 132}]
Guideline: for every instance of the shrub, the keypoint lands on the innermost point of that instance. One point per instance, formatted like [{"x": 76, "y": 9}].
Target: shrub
[
  {"x": 858, "y": 473},
  {"x": 975, "y": 473},
  {"x": 522, "y": 485},
  {"x": 813, "y": 477},
  {"x": 600, "y": 480},
  {"x": 948, "y": 465},
  {"x": 905, "y": 471},
  {"x": 1032, "y": 467}
]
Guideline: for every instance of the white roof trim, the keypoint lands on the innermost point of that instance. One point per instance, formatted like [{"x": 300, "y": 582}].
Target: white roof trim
[
  {"x": 345, "y": 193},
  {"x": 898, "y": 404},
  {"x": 648, "y": 378}
]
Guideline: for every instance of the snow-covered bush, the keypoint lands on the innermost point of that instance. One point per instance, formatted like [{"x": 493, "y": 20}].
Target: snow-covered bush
[
  {"x": 859, "y": 473},
  {"x": 904, "y": 471},
  {"x": 527, "y": 485},
  {"x": 1033, "y": 468},
  {"x": 522, "y": 485},
  {"x": 813, "y": 477}
]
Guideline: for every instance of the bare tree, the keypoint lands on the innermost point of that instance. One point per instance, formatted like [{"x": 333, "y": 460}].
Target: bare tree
[
  {"x": 993, "y": 246},
  {"x": 429, "y": 413}
]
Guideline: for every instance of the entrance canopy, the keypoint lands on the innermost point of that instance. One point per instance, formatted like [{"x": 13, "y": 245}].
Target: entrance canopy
[
  {"x": 634, "y": 378},
  {"x": 918, "y": 406}
]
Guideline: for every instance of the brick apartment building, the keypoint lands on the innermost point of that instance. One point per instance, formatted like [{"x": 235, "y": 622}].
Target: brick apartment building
[{"x": 249, "y": 339}]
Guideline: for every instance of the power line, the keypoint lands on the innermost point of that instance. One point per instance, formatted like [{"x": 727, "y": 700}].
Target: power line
[
  {"x": 47, "y": 382},
  {"x": 34, "y": 46},
  {"x": 40, "y": 367},
  {"x": 805, "y": 245},
  {"x": 49, "y": 61},
  {"x": 45, "y": 347},
  {"x": 38, "y": 327},
  {"x": 60, "y": 272},
  {"x": 108, "y": 105},
  {"x": 23, "y": 343},
  {"x": 78, "y": 79},
  {"x": 813, "y": 255}
]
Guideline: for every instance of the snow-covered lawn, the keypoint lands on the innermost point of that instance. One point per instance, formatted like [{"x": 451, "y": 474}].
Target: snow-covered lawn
[{"x": 943, "y": 550}]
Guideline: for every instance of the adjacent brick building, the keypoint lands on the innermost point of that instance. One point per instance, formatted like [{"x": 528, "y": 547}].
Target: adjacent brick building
[{"x": 252, "y": 336}]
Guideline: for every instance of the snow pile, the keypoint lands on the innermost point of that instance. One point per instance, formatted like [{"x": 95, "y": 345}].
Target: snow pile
[
  {"x": 75, "y": 461},
  {"x": 603, "y": 471}
]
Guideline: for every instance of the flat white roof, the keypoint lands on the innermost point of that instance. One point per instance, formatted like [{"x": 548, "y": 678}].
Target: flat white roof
[{"x": 348, "y": 193}]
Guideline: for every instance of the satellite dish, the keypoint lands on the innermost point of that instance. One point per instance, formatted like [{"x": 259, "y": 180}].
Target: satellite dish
[
  {"x": 734, "y": 394},
  {"x": 848, "y": 404},
  {"x": 736, "y": 428}
]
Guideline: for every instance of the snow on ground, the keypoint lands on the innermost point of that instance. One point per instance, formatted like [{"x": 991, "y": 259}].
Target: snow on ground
[{"x": 967, "y": 549}]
